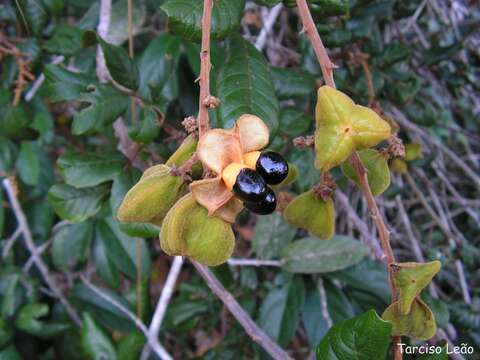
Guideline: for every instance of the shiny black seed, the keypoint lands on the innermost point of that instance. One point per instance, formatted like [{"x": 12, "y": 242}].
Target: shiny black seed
[
  {"x": 249, "y": 186},
  {"x": 272, "y": 167},
  {"x": 264, "y": 207}
]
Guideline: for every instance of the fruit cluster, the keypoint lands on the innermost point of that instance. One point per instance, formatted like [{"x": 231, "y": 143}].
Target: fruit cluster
[{"x": 249, "y": 181}]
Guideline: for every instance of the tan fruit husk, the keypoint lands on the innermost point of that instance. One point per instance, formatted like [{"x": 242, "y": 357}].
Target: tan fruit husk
[
  {"x": 151, "y": 198},
  {"x": 343, "y": 127},
  {"x": 309, "y": 212},
  {"x": 419, "y": 323},
  {"x": 188, "y": 231},
  {"x": 378, "y": 172},
  {"x": 410, "y": 279},
  {"x": 219, "y": 148}
]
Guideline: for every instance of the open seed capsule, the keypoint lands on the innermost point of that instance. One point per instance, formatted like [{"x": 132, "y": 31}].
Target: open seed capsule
[
  {"x": 264, "y": 207},
  {"x": 269, "y": 164},
  {"x": 246, "y": 184}
]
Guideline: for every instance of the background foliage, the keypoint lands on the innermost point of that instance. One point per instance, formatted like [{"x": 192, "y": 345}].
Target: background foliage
[{"x": 62, "y": 141}]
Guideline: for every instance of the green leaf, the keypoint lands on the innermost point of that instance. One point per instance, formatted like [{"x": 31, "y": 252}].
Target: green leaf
[
  {"x": 63, "y": 85},
  {"x": 313, "y": 320},
  {"x": 96, "y": 344},
  {"x": 310, "y": 255},
  {"x": 410, "y": 279},
  {"x": 6, "y": 333},
  {"x": 294, "y": 122},
  {"x": 442, "y": 356},
  {"x": 13, "y": 120},
  {"x": 76, "y": 205},
  {"x": 364, "y": 337},
  {"x": 130, "y": 346},
  {"x": 117, "y": 32},
  {"x": 106, "y": 104},
  {"x": 378, "y": 172},
  {"x": 10, "y": 353},
  {"x": 419, "y": 323},
  {"x": 271, "y": 235},
  {"x": 8, "y": 154},
  {"x": 185, "y": 17},
  {"x": 11, "y": 297},
  {"x": 245, "y": 86},
  {"x": 28, "y": 321},
  {"x": 33, "y": 15},
  {"x": 65, "y": 40},
  {"x": 89, "y": 169},
  {"x": 71, "y": 244},
  {"x": 280, "y": 311},
  {"x": 103, "y": 311},
  {"x": 28, "y": 164},
  {"x": 104, "y": 266},
  {"x": 289, "y": 83},
  {"x": 122, "y": 69},
  {"x": 147, "y": 128}
]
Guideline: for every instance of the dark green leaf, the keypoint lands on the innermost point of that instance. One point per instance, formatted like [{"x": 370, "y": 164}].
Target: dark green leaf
[
  {"x": 280, "y": 311},
  {"x": 32, "y": 15},
  {"x": 64, "y": 85},
  {"x": 95, "y": 342},
  {"x": 365, "y": 337},
  {"x": 118, "y": 28},
  {"x": 106, "y": 105},
  {"x": 147, "y": 128},
  {"x": 76, "y": 205},
  {"x": 272, "y": 234},
  {"x": 294, "y": 122},
  {"x": 184, "y": 17},
  {"x": 104, "y": 266},
  {"x": 28, "y": 164},
  {"x": 71, "y": 244},
  {"x": 5, "y": 333},
  {"x": 122, "y": 69},
  {"x": 315, "y": 324},
  {"x": 13, "y": 120},
  {"x": 84, "y": 170},
  {"x": 65, "y": 40},
  {"x": 289, "y": 83},
  {"x": 8, "y": 154},
  {"x": 28, "y": 321},
  {"x": 311, "y": 255},
  {"x": 10, "y": 353},
  {"x": 130, "y": 346},
  {"x": 244, "y": 85}
]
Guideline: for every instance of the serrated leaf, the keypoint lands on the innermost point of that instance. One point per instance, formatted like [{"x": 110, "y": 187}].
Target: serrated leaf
[
  {"x": 96, "y": 344},
  {"x": 378, "y": 172},
  {"x": 311, "y": 256},
  {"x": 419, "y": 323},
  {"x": 63, "y": 85},
  {"x": 185, "y": 16},
  {"x": 289, "y": 83},
  {"x": 76, "y": 205},
  {"x": 106, "y": 104},
  {"x": 28, "y": 164},
  {"x": 244, "y": 86},
  {"x": 28, "y": 321},
  {"x": 280, "y": 311},
  {"x": 271, "y": 235},
  {"x": 71, "y": 244},
  {"x": 364, "y": 337},
  {"x": 89, "y": 169},
  {"x": 147, "y": 128},
  {"x": 410, "y": 279}
]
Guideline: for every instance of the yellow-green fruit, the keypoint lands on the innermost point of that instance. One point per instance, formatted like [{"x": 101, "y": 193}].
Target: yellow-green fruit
[
  {"x": 399, "y": 166},
  {"x": 185, "y": 152},
  {"x": 151, "y": 198},
  {"x": 413, "y": 151},
  {"x": 188, "y": 231},
  {"x": 291, "y": 176},
  {"x": 419, "y": 323},
  {"x": 309, "y": 212},
  {"x": 378, "y": 172}
]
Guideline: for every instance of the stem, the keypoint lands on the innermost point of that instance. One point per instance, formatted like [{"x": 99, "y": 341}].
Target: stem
[
  {"x": 327, "y": 70},
  {"x": 310, "y": 29},
  {"x": 205, "y": 65},
  {"x": 242, "y": 317}
]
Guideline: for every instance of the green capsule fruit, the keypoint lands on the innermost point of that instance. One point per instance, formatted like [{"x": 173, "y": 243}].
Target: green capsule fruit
[
  {"x": 184, "y": 152},
  {"x": 309, "y": 212},
  {"x": 188, "y": 231},
  {"x": 151, "y": 198},
  {"x": 378, "y": 172}
]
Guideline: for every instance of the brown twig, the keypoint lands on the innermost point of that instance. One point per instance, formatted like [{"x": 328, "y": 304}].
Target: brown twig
[
  {"x": 242, "y": 317},
  {"x": 205, "y": 65},
  {"x": 327, "y": 69},
  {"x": 310, "y": 29}
]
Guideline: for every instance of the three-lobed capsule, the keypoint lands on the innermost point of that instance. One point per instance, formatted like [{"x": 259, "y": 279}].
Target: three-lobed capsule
[{"x": 249, "y": 181}]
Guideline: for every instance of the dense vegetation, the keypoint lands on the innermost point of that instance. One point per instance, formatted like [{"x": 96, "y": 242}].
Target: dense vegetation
[{"x": 77, "y": 283}]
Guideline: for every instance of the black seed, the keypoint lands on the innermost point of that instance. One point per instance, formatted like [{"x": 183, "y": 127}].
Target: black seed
[
  {"x": 264, "y": 207},
  {"x": 249, "y": 186},
  {"x": 272, "y": 167}
]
